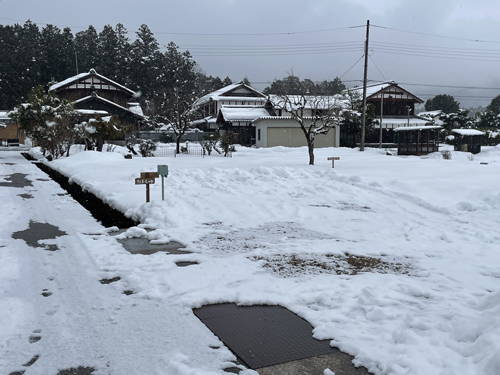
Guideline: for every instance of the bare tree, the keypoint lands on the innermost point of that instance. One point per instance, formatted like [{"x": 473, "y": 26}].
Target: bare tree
[{"x": 315, "y": 114}]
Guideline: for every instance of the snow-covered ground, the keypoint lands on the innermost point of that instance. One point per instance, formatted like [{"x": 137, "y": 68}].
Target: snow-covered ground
[{"x": 395, "y": 259}]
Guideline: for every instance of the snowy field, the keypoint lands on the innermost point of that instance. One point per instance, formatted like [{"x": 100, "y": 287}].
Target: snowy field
[{"x": 395, "y": 259}]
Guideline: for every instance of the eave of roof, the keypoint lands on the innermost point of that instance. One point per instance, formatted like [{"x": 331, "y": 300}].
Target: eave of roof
[
  {"x": 409, "y": 128},
  {"x": 216, "y": 95},
  {"x": 100, "y": 98},
  {"x": 80, "y": 76},
  {"x": 375, "y": 89},
  {"x": 468, "y": 131}
]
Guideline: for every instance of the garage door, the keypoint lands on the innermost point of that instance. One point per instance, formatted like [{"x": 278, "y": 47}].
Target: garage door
[{"x": 294, "y": 137}]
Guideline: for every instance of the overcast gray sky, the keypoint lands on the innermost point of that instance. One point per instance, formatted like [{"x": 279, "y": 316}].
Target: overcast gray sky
[{"x": 415, "y": 43}]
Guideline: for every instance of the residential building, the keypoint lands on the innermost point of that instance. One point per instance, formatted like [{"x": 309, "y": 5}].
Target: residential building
[
  {"x": 95, "y": 95},
  {"x": 9, "y": 130}
]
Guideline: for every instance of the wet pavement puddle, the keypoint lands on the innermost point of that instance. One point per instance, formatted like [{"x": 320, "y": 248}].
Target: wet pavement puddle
[
  {"x": 274, "y": 341},
  {"x": 17, "y": 180},
  {"x": 37, "y": 232},
  {"x": 144, "y": 247}
]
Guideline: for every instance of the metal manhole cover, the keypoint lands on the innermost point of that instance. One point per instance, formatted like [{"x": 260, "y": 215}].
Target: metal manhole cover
[{"x": 262, "y": 335}]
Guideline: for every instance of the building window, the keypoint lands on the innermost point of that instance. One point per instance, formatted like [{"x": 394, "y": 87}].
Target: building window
[{"x": 258, "y": 134}]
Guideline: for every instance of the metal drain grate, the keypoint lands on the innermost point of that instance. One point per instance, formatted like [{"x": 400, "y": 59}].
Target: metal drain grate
[{"x": 261, "y": 335}]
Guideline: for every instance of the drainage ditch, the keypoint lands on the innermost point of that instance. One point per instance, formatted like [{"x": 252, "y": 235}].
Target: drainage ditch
[{"x": 101, "y": 211}]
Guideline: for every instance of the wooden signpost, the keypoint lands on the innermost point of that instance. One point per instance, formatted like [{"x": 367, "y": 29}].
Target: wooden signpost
[
  {"x": 333, "y": 158},
  {"x": 146, "y": 179}
]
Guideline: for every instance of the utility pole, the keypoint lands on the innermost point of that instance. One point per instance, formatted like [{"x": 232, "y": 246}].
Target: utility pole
[
  {"x": 76, "y": 61},
  {"x": 363, "y": 116},
  {"x": 381, "y": 116}
]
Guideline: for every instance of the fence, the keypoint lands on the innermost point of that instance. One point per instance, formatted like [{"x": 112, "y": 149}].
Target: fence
[{"x": 187, "y": 151}]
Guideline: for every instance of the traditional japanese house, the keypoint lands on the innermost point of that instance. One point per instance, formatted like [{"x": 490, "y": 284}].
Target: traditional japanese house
[
  {"x": 232, "y": 107},
  {"x": 9, "y": 130},
  {"x": 394, "y": 108},
  {"x": 468, "y": 140},
  {"x": 93, "y": 94},
  {"x": 418, "y": 140}
]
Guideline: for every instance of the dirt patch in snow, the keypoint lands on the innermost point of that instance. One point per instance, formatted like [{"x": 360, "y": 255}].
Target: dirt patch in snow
[
  {"x": 291, "y": 265},
  {"x": 229, "y": 240}
]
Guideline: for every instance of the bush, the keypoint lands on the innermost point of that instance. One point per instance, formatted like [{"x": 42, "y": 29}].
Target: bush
[
  {"x": 446, "y": 154},
  {"x": 147, "y": 148}
]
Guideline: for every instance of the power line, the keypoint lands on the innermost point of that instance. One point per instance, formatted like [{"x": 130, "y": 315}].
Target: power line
[
  {"x": 439, "y": 36},
  {"x": 204, "y": 34},
  {"x": 265, "y": 46},
  {"x": 376, "y": 66},
  {"x": 348, "y": 70},
  {"x": 451, "y": 87}
]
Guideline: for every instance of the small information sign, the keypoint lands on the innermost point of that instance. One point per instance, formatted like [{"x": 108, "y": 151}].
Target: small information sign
[
  {"x": 150, "y": 175},
  {"x": 144, "y": 181}
]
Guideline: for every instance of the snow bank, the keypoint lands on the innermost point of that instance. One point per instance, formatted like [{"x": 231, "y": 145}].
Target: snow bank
[{"x": 440, "y": 217}]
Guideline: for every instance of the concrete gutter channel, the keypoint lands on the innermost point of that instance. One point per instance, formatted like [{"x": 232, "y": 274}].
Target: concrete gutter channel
[{"x": 268, "y": 339}]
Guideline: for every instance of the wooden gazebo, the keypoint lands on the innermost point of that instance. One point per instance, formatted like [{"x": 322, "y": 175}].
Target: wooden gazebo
[
  {"x": 418, "y": 140},
  {"x": 468, "y": 140}
]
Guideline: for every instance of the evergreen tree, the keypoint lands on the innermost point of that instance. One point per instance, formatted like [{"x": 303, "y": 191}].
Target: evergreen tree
[
  {"x": 292, "y": 85},
  {"x": 122, "y": 54},
  {"x": 18, "y": 44},
  {"x": 172, "y": 103},
  {"x": 494, "y": 106},
  {"x": 107, "y": 49},
  {"x": 68, "y": 57},
  {"x": 146, "y": 62},
  {"x": 86, "y": 48},
  {"x": 55, "y": 49},
  {"x": 226, "y": 82},
  {"x": 456, "y": 120},
  {"x": 444, "y": 102},
  {"x": 47, "y": 120}
]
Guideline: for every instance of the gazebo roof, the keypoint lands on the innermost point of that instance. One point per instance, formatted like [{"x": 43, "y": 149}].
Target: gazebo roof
[{"x": 467, "y": 131}]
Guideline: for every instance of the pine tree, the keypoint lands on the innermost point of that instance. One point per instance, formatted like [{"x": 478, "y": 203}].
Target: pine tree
[
  {"x": 122, "y": 54},
  {"x": 55, "y": 51},
  {"x": 86, "y": 49},
  {"x": 107, "y": 50},
  {"x": 172, "y": 102},
  {"x": 146, "y": 62},
  {"x": 68, "y": 56}
]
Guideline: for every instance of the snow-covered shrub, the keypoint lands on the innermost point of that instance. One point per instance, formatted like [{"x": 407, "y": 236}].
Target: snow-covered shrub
[
  {"x": 446, "y": 154},
  {"x": 147, "y": 148}
]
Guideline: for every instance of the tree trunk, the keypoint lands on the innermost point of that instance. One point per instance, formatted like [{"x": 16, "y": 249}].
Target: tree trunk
[
  {"x": 310, "y": 148},
  {"x": 99, "y": 144},
  {"x": 178, "y": 145}
]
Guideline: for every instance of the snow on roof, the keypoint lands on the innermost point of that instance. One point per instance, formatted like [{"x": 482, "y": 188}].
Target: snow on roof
[
  {"x": 375, "y": 88},
  {"x": 409, "y": 128},
  {"x": 206, "y": 120},
  {"x": 135, "y": 107},
  {"x": 234, "y": 113},
  {"x": 106, "y": 101},
  {"x": 91, "y": 112},
  {"x": 435, "y": 113},
  {"x": 216, "y": 95},
  {"x": 467, "y": 131},
  {"x": 83, "y": 75}
]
